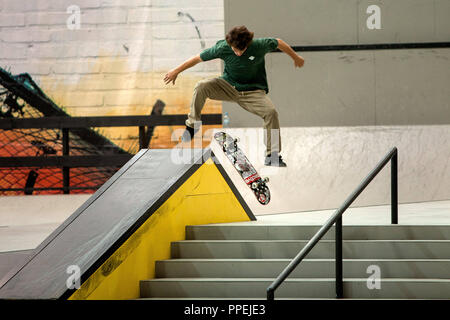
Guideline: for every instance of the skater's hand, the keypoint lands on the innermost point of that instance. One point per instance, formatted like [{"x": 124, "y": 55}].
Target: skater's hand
[
  {"x": 171, "y": 76},
  {"x": 298, "y": 62}
]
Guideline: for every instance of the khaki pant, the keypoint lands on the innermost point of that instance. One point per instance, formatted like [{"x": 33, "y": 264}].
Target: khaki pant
[{"x": 256, "y": 102}]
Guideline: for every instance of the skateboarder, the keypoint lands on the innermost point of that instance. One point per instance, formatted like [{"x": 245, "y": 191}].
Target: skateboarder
[{"x": 243, "y": 81}]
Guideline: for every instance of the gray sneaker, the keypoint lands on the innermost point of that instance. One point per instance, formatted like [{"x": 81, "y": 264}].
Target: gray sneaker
[{"x": 274, "y": 160}]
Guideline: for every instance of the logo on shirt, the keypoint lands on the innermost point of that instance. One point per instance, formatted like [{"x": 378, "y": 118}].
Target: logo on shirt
[{"x": 251, "y": 58}]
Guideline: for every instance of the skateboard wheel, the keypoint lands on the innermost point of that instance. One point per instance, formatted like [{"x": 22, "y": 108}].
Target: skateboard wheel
[
  {"x": 262, "y": 198},
  {"x": 254, "y": 185},
  {"x": 236, "y": 140},
  {"x": 266, "y": 179}
]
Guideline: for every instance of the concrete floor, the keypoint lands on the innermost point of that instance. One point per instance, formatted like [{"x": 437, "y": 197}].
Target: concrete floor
[
  {"x": 25, "y": 221},
  {"x": 424, "y": 213}
]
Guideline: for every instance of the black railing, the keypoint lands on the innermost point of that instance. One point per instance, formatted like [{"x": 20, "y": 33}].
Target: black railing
[
  {"x": 110, "y": 155},
  {"x": 336, "y": 219},
  {"x": 376, "y": 46},
  {"x": 66, "y": 123}
]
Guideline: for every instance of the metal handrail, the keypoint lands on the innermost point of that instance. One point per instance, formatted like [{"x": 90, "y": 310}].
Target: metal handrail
[{"x": 336, "y": 218}]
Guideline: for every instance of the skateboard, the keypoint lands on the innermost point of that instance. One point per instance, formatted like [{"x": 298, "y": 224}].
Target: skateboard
[{"x": 244, "y": 167}]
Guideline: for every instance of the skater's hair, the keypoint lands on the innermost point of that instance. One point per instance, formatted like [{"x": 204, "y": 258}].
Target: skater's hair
[{"x": 239, "y": 37}]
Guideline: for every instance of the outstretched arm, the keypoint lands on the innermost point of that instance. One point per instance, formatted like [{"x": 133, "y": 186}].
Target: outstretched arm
[
  {"x": 172, "y": 75},
  {"x": 298, "y": 60}
]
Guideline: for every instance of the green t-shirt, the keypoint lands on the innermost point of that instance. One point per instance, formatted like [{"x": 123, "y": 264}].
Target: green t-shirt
[{"x": 247, "y": 72}]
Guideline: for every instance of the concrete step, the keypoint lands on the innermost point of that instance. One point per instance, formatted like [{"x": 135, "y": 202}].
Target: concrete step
[
  {"x": 300, "y": 232},
  {"x": 286, "y": 249},
  {"x": 309, "y": 268},
  {"x": 293, "y": 288}
]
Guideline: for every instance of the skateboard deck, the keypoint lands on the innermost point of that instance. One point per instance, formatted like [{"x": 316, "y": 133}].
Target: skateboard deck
[{"x": 244, "y": 167}]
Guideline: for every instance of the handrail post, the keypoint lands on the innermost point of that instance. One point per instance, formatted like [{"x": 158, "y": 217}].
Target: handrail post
[
  {"x": 142, "y": 137},
  {"x": 270, "y": 294},
  {"x": 394, "y": 188},
  {"x": 338, "y": 257}
]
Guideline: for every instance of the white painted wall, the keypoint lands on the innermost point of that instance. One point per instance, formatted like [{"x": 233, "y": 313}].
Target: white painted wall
[
  {"x": 348, "y": 88},
  {"x": 335, "y": 22}
]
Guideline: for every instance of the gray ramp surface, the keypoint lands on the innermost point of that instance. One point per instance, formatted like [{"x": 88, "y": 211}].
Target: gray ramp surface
[{"x": 99, "y": 226}]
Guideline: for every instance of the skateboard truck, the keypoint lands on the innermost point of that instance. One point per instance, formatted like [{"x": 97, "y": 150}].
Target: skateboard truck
[
  {"x": 235, "y": 142},
  {"x": 227, "y": 144},
  {"x": 260, "y": 183}
]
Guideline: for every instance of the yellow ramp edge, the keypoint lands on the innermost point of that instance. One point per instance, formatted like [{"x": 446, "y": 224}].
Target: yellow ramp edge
[{"x": 205, "y": 197}]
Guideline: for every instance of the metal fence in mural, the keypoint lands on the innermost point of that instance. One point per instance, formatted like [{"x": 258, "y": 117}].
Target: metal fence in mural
[{"x": 21, "y": 97}]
